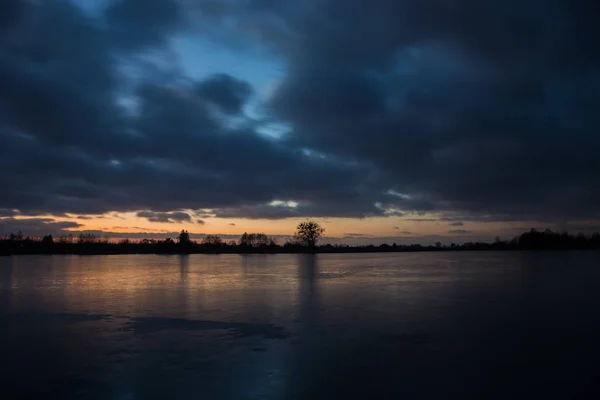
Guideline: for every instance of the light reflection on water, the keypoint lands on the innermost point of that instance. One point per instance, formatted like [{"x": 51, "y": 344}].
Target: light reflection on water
[{"x": 299, "y": 326}]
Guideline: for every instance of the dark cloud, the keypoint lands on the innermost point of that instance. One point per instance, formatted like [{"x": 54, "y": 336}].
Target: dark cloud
[
  {"x": 140, "y": 23},
  {"x": 168, "y": 217},
  {"x": 478, "y": 112},
  {"x": 200, "y": 222},
  {"x": 82, "y": 152},
  {"x": 488, "y": 109},
  {"x": 231, "y": 224},
  {"x": 38, "y": 61},
  {"x": 459, "y": 231},
  {"x": 9, "y": 13},
  {"x": 226, "y": 92},
  {"x": 35, "y": 226},
  {"x": 457, "y": 223},
  {"x": 358, "y": 205}
]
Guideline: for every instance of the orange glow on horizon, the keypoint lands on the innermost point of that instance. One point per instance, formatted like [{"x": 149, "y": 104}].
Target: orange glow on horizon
[{"x": 422, "y": 225}]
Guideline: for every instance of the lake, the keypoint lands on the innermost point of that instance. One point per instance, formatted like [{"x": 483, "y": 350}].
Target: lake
[{"x": 339, "y": 326}]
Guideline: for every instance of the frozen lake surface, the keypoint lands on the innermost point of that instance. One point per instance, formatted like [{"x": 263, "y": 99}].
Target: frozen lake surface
[{"x": 345, "y": 326}]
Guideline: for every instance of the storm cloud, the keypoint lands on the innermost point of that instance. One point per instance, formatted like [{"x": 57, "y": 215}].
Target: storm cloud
[{"x": 486, "y": 110}]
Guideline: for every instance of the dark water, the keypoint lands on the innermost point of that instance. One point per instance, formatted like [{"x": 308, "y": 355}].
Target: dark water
[{"x": 433, "y": 325}]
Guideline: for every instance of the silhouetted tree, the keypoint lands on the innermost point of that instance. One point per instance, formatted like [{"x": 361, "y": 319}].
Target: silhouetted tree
[
  {"x": 245, "y": 240},
  {"x": 212, "y": 241},
  {"x": 260, "y": 240},
  {"x": 254, "y": 240},
  {"x": 308, "y": 233},
  {"x": 184, "y": 238},
  {"x": 47, "y": 240},
  {"x": 90, "y": 244}
]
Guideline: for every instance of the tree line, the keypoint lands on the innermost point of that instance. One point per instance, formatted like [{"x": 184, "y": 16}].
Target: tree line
[{"x": 305, "y": 239}]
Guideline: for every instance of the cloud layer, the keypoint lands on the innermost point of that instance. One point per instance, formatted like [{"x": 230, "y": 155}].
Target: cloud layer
[{"x": 487, "y": 111}]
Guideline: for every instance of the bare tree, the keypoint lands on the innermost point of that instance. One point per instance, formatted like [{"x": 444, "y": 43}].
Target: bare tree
[
  {"x": 308, "y": 233},
  {"x": 254, "y": 240}
]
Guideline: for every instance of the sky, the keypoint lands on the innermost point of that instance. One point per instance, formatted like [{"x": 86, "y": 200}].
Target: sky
[{"x": 386, "y": 121}]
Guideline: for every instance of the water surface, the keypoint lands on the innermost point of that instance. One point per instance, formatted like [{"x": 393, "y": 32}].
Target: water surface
[{"x": 345, "y": 326}]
